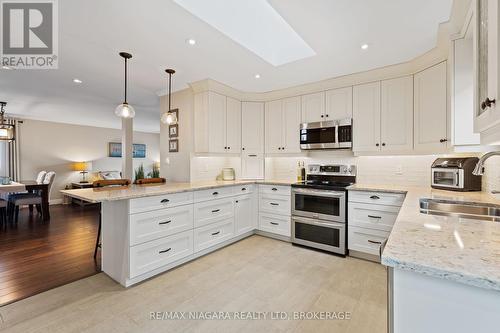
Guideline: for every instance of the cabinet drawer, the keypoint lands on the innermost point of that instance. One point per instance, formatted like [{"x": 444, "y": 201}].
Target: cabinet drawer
[
  {"x": 275, "y": 189},
  {"x": 275, "y": 224},
  {"x": 366, "y": 240},
  {"x": 379, "y": 198},
  {"x": 243, "y": 189},
  {"x": 156, "y": 224},
  {"x": 213, "y": 234},
  {"x": 212, "y": 211},
  {"x": 275, "y": 204},
  {"x": 378, "y": 217},
  {"x": 155, "y": 254},
  {"x": 213, "y": 193},
  {"x": 160, "y": 201}
]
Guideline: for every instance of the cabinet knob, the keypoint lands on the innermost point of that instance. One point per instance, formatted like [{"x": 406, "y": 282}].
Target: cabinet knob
[
  {"x": 326, "y": 116},
  {"x": 443, "y": 140},
  {"x": 487, "y": 103},
  {"x": 383, "y": 144},
  {"x": 377, "y": 144},
  {"x": 243, "y": 148},
  {"x": 228, "y": 147},
  {"x": 225, "y": 147}
]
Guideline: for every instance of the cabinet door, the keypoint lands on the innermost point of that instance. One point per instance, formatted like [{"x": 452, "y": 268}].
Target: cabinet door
[
  {"x": 291, "y": 125},
  {"x": 366, "y": 117},
  {"x": 339, "y": 103},
  {"x": 430, "y": 114},
  {"x": 252, "y": 165},
  {"x": 252, "y": 129},
  {"x": 313, "y": 107},
  {"x": 244, "y": 215},
  {"x": 233, "y": 125},
  {"x": 216, "y": 123},
  {"x": 396, "y": 129},
  {"x": 273, "y": 127}
]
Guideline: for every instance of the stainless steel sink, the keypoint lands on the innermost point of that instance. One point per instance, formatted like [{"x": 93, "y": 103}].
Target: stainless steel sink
[{"x": 471, "y": 210}]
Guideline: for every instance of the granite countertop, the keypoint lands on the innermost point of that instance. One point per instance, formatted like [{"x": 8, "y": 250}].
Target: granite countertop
[
  {"x": 452, "y": 248},
  {"x": 138, "y": 191}
]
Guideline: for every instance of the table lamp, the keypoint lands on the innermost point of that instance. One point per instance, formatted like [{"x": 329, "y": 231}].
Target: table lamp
[{"x": 83, "y": 168}]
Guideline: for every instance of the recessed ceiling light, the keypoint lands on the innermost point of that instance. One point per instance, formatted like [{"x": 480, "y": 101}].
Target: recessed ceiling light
[
  {"x": 6, "y": 67},
  {"x": 191, "y": 41},
  {"x": 77, "y": 81},
  {"x": 257, "y": 76},
  {"x": 364, "y": 46}
]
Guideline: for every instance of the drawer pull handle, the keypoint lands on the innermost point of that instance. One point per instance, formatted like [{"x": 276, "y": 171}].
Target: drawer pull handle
[
  {"x": 274, "y": 204},
  {"x": 215, "y": 233},
  {"x": 243, "y": 188},
  {"x": 165, "y": 251},
  {"x": 165, "y": 222},
  {"x": 164, "y": 201},
  {"x": 252, "y": 155},
  {"x": 374, "y": 242},
  {"x": 274, "y": 223},
  {"x": 216, "y": 210},
  {"x": 375, "y": 217},
  {"x": 274, "y": 189},
  {"x": 375, "y": 197},
  {"x": 215, "y": 193}
]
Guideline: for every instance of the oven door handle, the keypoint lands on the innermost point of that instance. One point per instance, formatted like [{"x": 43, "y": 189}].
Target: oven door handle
[
  {"x": 335, "y": 225},
  {"x": 327, "y": 193}
]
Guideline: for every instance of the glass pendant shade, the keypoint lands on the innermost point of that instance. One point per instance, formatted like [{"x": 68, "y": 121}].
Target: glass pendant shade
[
  {"x": 169, "y": 118},
  {"x": 125, "y": 110},
  {"x": 6, "y": 132}
]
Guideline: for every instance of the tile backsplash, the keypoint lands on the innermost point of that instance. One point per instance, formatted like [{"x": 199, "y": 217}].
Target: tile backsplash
[{"x": 209, "y": 167}]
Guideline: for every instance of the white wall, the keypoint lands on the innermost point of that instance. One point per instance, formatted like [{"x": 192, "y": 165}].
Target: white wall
[{"x": 54, "y": 146}]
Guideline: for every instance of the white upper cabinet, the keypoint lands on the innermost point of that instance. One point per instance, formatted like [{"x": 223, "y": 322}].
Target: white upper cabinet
[
  {"x": 396, "y": 117},
  {"x": 487, "y": 70},
  {"x": 233, "y": 125},
  {"x": 339, "y": 103},
  {"x": 252, "y": 130},
  {"x": 282, "y": 125},
  {"x": 291, "y": 121},
  {"x": 313, "y": 107},
  {"x": 217, "y": 123},
  {"x": 366, "y": 117},
  {"x": 430, "y": 114}
]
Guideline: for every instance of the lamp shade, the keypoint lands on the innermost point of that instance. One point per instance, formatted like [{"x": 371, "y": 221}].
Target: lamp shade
[{"x": 82, "y": 166}]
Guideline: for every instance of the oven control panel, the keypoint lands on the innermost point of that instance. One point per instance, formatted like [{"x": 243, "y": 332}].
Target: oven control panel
[{"x": 332, "y": 169}]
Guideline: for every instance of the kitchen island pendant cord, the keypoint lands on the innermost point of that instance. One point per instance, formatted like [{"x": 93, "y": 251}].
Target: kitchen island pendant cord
[
  {"x": 169, "y": 117},
  {"x": 125, "y": 110}
]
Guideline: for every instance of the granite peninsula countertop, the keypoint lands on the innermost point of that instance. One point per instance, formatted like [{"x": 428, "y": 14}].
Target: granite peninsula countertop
[
  {"x": 452, "y": 248},
  {"x": 96, "y": 195}
]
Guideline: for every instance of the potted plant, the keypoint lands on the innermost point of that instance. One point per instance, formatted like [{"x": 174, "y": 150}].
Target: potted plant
[{"x": 139, "y": 173}]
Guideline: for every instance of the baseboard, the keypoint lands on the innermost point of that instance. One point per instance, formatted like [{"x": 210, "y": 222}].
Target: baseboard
[
  {"x": 274, "y": 236},
  {"x": 364, "y": 256},
  {"x": 55, "y": 201}
]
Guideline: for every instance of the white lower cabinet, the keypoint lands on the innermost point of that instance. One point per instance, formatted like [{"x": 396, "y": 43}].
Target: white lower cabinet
[
  {"x": 244, "y": 217},
  {"x": 152, "y": 225},
  {"x": 274, "y": 204},
  {"x": 155, "y": 254},
  {"x": 212, "y": 211},
  {"x": 276, "y": 224},
  {"x": 372, "y": 216},
  {"x": 213, "y": 234},
  {"x": 366, "y": 240}
]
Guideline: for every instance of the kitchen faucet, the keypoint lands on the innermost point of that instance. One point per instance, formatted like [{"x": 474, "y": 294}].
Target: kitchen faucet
[{"x": 479, "y": 169}]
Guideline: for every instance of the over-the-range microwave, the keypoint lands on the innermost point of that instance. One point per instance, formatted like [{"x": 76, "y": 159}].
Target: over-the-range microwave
[{"x": 332, "y": 134}]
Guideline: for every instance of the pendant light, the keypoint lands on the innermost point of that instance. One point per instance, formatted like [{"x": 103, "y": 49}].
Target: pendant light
[
  {"x": 125, "y": 110},
  {"x": 169, "y": 117},
  {"x": 6, "y": 130}
]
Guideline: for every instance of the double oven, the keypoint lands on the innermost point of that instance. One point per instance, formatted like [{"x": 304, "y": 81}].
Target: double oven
[{"x": 319, "y": 208}]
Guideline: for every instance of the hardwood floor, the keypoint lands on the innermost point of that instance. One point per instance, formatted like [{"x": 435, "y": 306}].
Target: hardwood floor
[
  {"x": 36, "y": 256},
  {"x": 255, "y": 274}
]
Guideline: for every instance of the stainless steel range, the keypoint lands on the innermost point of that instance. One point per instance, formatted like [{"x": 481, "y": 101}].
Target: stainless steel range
[{"x": 319, "y": 207}]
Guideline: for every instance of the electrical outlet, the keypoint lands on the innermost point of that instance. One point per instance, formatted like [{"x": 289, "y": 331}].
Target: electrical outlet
[{"x": 399, "y": 170}]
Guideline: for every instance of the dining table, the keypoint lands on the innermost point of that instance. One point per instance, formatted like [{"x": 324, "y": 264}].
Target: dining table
[{"x": 31, "y": 186}]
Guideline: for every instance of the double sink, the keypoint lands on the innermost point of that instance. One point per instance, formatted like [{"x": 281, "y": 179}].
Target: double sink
[{"x": 462, "y": 209}]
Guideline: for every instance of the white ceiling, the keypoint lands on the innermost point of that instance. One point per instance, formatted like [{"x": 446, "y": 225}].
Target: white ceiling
[{"x": 92, "y": 32}]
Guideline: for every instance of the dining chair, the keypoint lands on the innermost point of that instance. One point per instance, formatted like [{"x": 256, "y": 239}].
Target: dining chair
[
  {"x": 150, "y": 181},
  {"x": 106, "y": 183},
  {"x": 20, "y": 199},
  {"x": 3, "y": 212}
]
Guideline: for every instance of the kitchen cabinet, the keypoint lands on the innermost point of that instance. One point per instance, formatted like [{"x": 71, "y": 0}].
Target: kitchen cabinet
[
  {"x": 313, "y": 107},
  {"x": 338, "y": 103},
  {"x": 366, "y": 117},
  {"x": 396, "y": 114},
  {"x": 252, "y": 127},
  {"x": 245, "y": 219},
  {"x": 252, "y": 165},
  {"x": 487, "y": 70},
  {"x": 430, "y": 109},
  {"x": 275, "y": 210},
  {"x": 282, "y": 125},
  {"x": 217, "y": 123}
]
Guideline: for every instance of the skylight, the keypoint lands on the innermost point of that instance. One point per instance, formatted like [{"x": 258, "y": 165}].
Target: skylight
[{"x": 254, "y": 24}]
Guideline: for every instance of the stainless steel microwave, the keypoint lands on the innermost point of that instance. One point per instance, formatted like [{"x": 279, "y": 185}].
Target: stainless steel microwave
[{"x": 332, "y": 134}]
